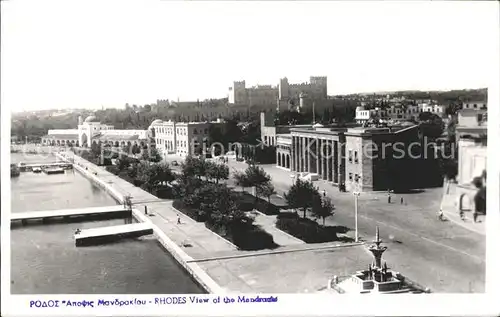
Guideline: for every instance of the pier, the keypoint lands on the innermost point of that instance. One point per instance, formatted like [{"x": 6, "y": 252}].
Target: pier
[
  {"x": 84, "y": 213},
  {"x": 110, "y": 234},
  {"x": 44, "y": 165}
]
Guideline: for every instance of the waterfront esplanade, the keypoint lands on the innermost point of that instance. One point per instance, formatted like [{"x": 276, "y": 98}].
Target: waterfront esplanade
[{"x": 319, "y": 150}]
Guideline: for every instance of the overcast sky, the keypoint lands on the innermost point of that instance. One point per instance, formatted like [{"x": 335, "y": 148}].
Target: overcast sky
[{"x": 68, "y": 54}]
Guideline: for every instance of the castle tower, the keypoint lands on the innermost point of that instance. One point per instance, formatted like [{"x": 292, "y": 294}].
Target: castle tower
[
  {"x": 319, "y": 85},
  {"x": 283, "y": 91},
  {"x": 238, "y": 93}
]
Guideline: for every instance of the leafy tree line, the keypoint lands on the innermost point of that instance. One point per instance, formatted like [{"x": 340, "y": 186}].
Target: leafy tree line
[
  {"x": 303, "y": 197},
  {"x": 202, "y": 197},
  {"x": 328, "y": 115}
]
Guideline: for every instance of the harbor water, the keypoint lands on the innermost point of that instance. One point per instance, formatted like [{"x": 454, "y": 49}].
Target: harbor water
[{"x": 44, "y": 259}]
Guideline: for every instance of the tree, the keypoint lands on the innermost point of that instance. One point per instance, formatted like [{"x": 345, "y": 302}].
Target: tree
[
  {"x": 217, "y": 171},
  {"x": 323, "y": 208},
  {"x": 480, "y": 200},
  {"x": 449, "y": 168},
  {"x": 136, "y": 149},
  {"x": 154, "y": 175},
  {"x": 193, "y": 166},
  {"x": 256, "y": 177},
  {"x": 151, "y": 155},
  {"x": 301, "y": 195},
  {"x": 478, "y": 182},
  {"x": 266, "y": 190},
  {"x": 431, "y": 125},
  {"x": 241, "y": 180},
  {"x": 95, "y": 150}
]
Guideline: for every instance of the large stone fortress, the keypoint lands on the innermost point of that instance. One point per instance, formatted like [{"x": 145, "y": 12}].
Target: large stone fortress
[{"x": 283, "y": 96}]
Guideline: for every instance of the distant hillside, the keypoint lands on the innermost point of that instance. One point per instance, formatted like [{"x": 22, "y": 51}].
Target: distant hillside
[{"x": 462, "y": 95}]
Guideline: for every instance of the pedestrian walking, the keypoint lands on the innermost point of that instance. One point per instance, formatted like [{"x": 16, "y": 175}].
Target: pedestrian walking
[
  {"x": 401, "y": 200},
  {"x": 462, "y": 215},
  {"x": 389, "y": 198},
  {"x": 324, "y": 193},
  {"x": 474, "y": 216},
  {"x": 440, "y": 214},
  {"x": 178, "y": 219}
]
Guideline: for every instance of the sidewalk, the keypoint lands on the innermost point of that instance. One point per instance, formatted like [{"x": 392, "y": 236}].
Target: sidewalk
[
  {"x": 201, "y": 241},
  {"x": 449, "y": 205},
  {"x": 268, "y": 223}
]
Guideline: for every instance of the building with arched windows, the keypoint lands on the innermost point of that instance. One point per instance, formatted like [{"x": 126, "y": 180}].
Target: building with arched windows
[
  {"x": 169, "y": 137},
  {"x": 91, "y": 130}
]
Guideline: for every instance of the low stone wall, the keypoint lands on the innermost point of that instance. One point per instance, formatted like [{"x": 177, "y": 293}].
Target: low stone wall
[
  {"x": 192, "y": 268},
  {"x": 200, "y": 276}
]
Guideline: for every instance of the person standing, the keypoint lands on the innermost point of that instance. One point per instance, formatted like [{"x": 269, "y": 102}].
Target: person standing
[{"x": 440, "y": 215}]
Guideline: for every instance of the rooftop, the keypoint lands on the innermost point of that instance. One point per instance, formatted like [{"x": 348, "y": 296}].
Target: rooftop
[
  {"x": 120, "y": 137},
  {"x": 61, "y": 137}
]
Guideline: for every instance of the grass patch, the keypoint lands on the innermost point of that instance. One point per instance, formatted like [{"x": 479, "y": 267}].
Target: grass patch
[
  {"x": 188, "y": 211},
  {"x": 248, "y": 239},
  {"x": 248, "y": 202}
]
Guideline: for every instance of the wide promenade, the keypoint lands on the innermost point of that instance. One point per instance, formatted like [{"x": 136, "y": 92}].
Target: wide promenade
[
  {"x": 444, "y": 256},
  {"x": 294, "y": 268}
]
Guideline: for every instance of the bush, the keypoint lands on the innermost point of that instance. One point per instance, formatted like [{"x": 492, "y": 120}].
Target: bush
[
  {"x": 190, "y": 212},
  {"x": 306, "y": 230},
  {"x": 248, "y": 202},
  {"x": 253, "y": 239},
  {"x": 164, "y": 193},
  {"x": 248, "y": 239},
  {"x": 267, "y": 208},
  {"x": 288, "y": 215},
  {"x": 113, "y": 169}
]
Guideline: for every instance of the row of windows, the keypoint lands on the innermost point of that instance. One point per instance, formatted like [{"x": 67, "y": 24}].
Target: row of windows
[
  {"x": 475, "y": 106},
  {"x": 268, "y": 140},
  {"x": 355, "y": 160},
  {"x": 399, "y": 111},
  {"x": 283, "y": 147},
  {"x": 180, "y": 131},
  {"x": 355, "y": 178}
]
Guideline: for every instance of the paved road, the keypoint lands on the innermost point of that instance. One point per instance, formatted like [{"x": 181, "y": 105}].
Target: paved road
[{"x": 440, "y": 255}]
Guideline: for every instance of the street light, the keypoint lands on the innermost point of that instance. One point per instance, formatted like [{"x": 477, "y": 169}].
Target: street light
[{"x": 356, "y": 196}]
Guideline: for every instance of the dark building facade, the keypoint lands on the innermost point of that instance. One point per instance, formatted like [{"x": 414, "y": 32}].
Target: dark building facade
[{"x": 365, "y": 159}]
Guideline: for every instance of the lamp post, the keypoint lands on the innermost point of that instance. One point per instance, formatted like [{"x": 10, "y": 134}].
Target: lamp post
[{"x": 356, "y": 195}]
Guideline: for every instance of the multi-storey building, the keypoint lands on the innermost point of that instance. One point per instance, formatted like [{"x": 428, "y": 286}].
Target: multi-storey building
[
  {"x": 475, "y": 105},
  {"x": 471, "y": 134},
  {"x": 355, "y": 159},
  {"x": 407, "y": 112},
  {"x": 182, "y": 138}
]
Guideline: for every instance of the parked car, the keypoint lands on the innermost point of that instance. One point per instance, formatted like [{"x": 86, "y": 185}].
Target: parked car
[{"x": 175, "y": 163}]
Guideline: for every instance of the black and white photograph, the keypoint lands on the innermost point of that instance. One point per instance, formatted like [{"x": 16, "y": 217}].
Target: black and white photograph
[{"x": 170, "y": 147}]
